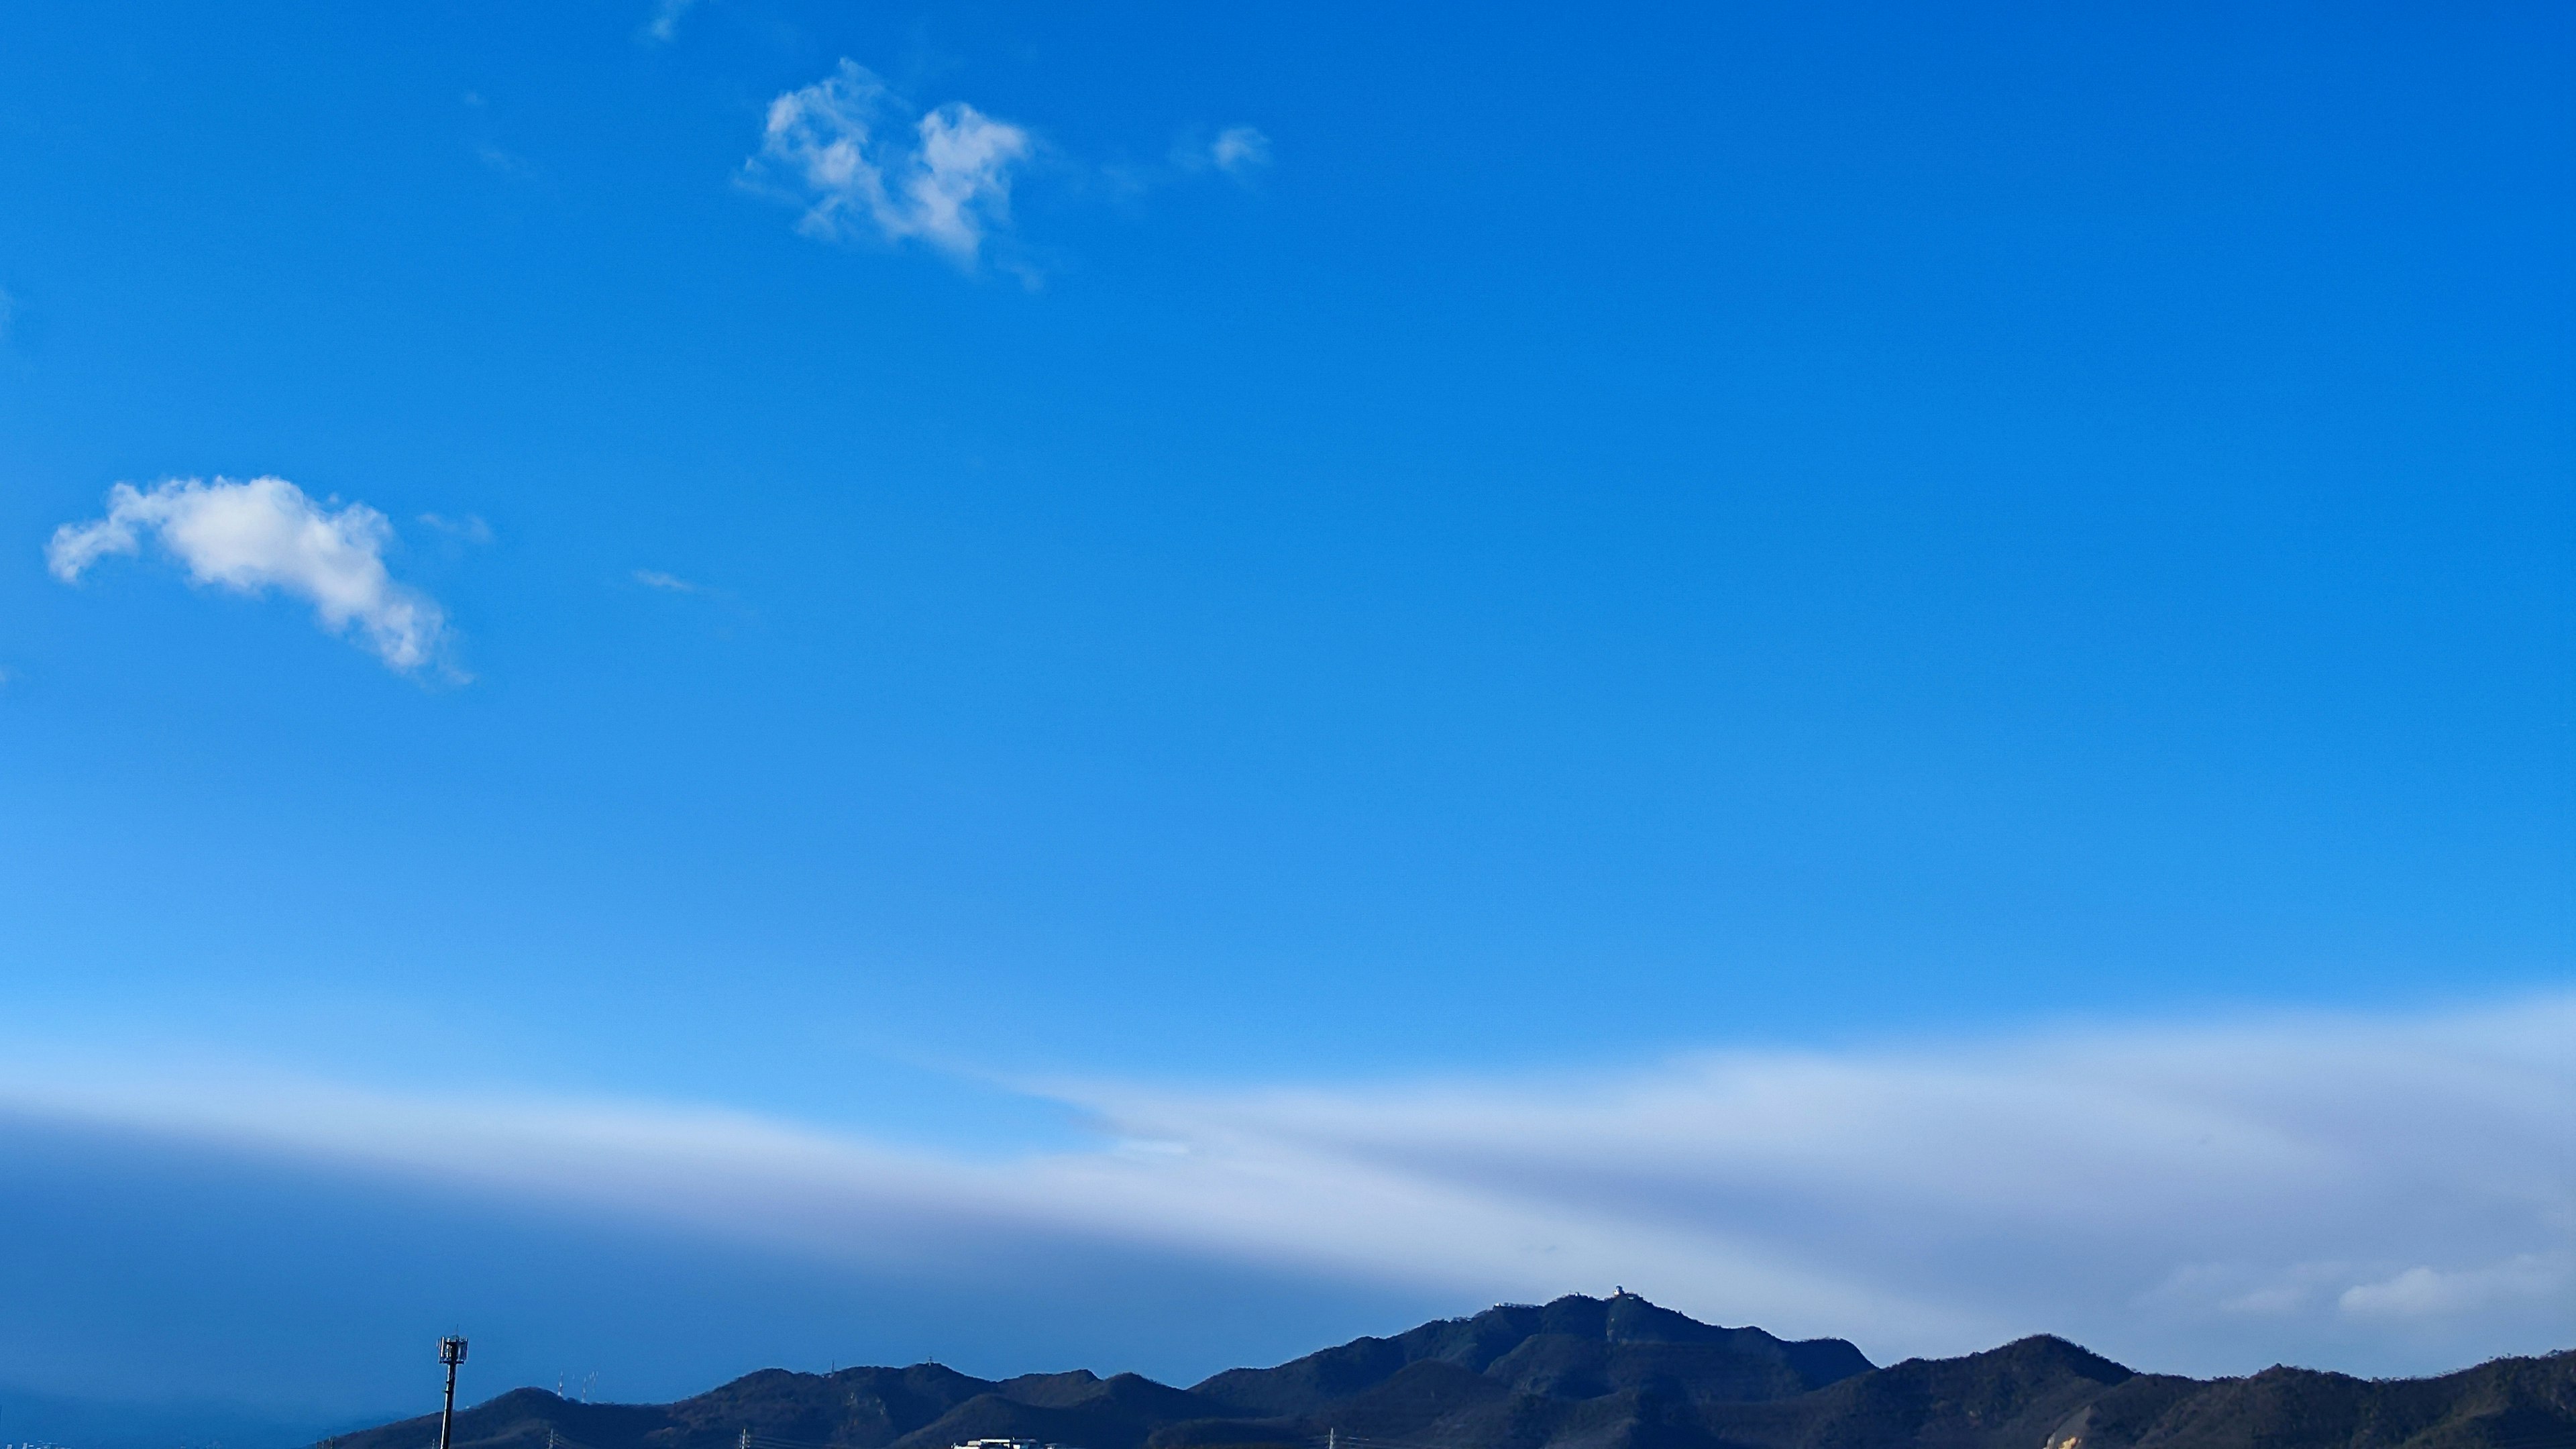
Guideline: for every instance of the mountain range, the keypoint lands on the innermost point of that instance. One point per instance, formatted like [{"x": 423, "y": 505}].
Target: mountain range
[{"x": 1578, "y": 1373}]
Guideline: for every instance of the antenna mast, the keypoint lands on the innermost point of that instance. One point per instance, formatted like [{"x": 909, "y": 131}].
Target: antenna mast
[{"x": 451, "y": 1352}]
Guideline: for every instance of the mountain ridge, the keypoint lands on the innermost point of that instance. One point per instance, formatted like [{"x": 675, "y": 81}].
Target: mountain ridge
[{"x": 1577, "y": 1373}]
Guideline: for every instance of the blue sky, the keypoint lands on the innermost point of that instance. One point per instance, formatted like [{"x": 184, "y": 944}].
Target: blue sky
[{"x": 974, "y": 605}]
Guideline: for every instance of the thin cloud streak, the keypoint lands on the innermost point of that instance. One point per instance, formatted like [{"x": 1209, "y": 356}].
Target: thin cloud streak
[
  {"x": 469, "y": 528},
  {"x": 668, "y": 583},
  {"x": 2396, "y": 1191}
]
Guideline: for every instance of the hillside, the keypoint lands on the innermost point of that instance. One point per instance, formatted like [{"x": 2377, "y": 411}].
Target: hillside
[{"x": 1579, "y": 1373}]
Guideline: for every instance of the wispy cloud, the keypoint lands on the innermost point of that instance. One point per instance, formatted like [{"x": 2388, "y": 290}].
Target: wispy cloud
[
  {"x": 2424, "y": 1292},
  {"x": 944, "y": 180},
  {"x": 664, "y": 27},
  {"x": 499, "y": 159},
  {"x": 1240, "y": 148},
  {"x": 1238, "y": 151},
  {"x": 504, "y": 161},
  {"x": 469, "y": 527},
  {"x": 668, "y": 583},
  {"x": 2210, "y": 1198},
  {"x": 262, "y": 534}
]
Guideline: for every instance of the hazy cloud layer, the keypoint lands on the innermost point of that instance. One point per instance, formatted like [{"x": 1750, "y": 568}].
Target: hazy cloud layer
[
  {"x": 2379, "y": 1195},
  {"x": 251, "y": 537},
  {"x": 945, "y": 180}
]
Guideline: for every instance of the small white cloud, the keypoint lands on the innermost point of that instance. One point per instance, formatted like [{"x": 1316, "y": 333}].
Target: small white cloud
[
  {"x": 948, "y": 185},
  {"x": 672, "y": 583},
  {"x": 2429, "y": 1292},
  {"x": 265, "y": 534},
  {"x": 665, "y": 24}
]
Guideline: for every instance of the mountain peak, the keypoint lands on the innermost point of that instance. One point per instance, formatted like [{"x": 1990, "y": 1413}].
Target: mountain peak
[
  {"x": 1576, "y": 1373},
  {"x": 1576, "y": 1346}
]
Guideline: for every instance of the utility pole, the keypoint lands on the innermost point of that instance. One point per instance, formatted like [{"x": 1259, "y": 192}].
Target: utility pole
[{"x": 451, "y": 1352}]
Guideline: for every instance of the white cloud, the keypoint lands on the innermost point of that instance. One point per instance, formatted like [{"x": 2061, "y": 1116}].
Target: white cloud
[
  {"x": 265, "y": 534},
  {"x": 1238, "y": 151},
  {"x": 948, "y": 184},
  {"x": 669, "y": 583},
  {"x": 2277, "y": 1291},
  {"x": 665, "y": 24},
  {"x": 2207, "y": 1199},
  {"x": 2424, "y": 1292}
]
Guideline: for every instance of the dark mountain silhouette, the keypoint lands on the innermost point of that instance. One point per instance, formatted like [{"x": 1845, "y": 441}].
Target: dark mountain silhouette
[{"x": 1579, "y": 1373}]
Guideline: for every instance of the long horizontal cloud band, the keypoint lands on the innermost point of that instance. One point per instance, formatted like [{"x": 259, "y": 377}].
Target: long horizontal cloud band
[{"x": 2385, "y": 1194}]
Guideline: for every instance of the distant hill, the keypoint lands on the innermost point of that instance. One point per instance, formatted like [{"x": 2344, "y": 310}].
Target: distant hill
[{"x": 1579, "y": 1373}]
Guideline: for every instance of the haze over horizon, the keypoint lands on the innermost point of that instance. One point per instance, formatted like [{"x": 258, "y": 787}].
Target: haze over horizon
[{"x": 723, "y": 683}]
